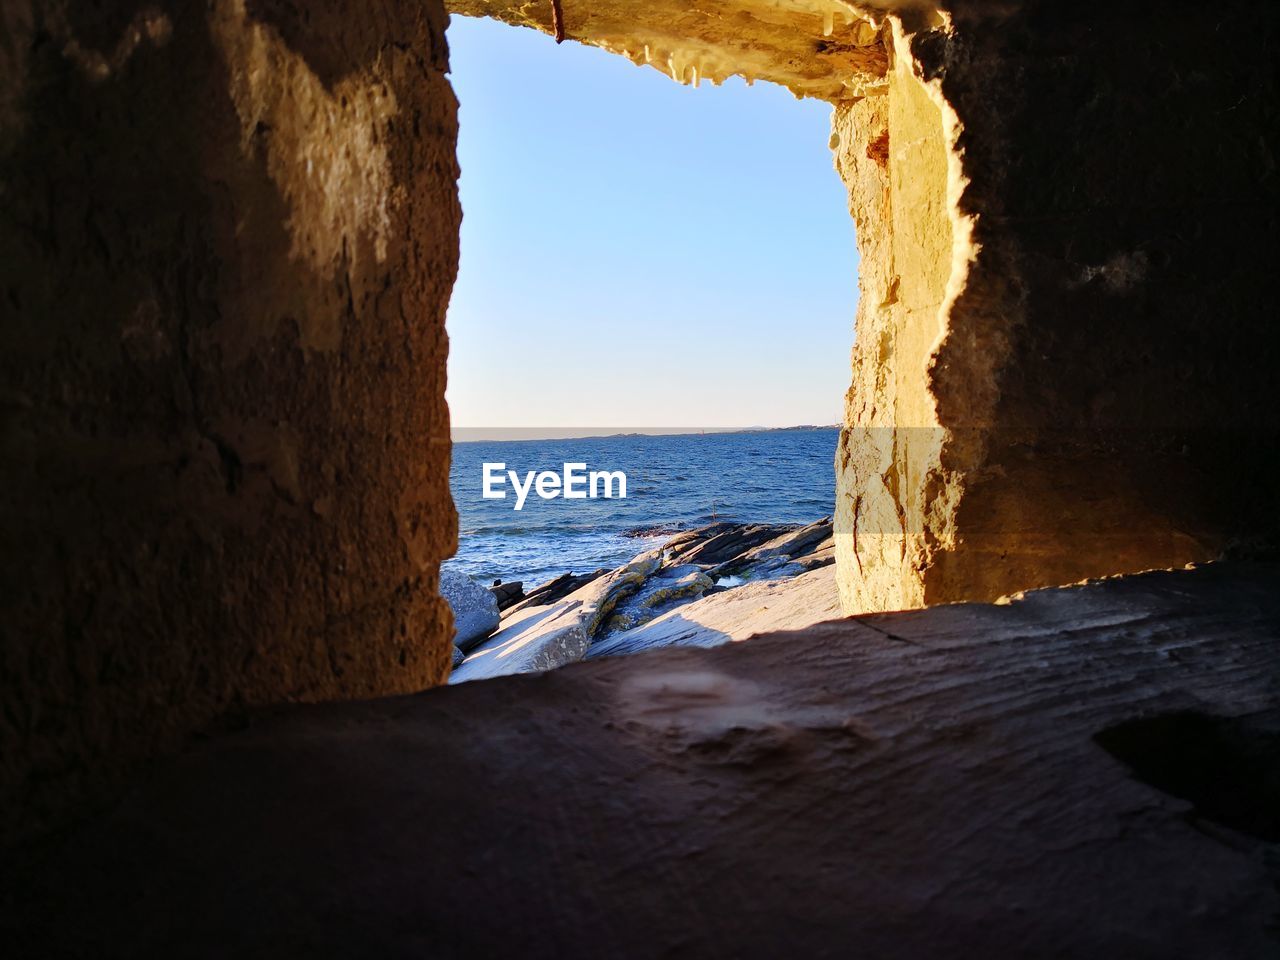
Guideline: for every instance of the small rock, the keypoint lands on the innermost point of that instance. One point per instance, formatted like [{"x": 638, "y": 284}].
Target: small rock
[
  {"x": 475, "y": 609},
  {"x": 507, "y": 594}
]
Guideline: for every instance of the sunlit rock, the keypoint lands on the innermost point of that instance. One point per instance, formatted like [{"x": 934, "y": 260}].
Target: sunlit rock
[{"x": 475, "y": 609}]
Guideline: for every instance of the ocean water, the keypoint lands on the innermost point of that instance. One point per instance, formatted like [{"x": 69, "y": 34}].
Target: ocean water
[{"x": 673, "y": 483}]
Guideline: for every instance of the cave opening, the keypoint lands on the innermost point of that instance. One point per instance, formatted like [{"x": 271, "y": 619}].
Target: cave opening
[
  {"x": 229, "y": 237},
  {"x": 657, "y": 278}
]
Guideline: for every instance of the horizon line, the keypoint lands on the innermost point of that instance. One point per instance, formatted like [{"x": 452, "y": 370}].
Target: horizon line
[{"x": 498, "y": 434}]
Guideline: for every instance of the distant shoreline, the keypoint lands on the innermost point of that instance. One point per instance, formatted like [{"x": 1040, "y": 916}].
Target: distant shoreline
[{"x": 516, "y": 434}]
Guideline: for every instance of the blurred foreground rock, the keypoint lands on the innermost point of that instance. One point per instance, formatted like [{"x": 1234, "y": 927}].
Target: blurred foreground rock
[{"x": 1081, "y": 773}]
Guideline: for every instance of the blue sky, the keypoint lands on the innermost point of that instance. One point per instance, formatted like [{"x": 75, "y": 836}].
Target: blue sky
[{"x": 640, "y": 254}]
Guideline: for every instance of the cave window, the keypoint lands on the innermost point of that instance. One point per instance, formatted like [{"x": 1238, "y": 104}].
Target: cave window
[{"x": 638, "y": 255}]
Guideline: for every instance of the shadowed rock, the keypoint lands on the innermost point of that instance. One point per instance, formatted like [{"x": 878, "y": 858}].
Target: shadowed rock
[
  {"x": 898, "y": 786},
  {"x": 507, "y": 594},
  {"x": 556, "y": 589},
  {"x": 721, "y": 542}
]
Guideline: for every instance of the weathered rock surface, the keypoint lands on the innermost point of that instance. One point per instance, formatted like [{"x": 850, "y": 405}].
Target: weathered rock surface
[
  {"x": 227, "y": 242},
  {"x": 557, "y": 589},
  {"x": 537, "y": 638},
  {"x": 791, "y": 544},
  {"x": 721, "y": 542},
  {"x": 228, "y": 233},
  {"x": 1057, "y": 373},
  {"x": 816, "y": 48},
  {"x": 663, "y": 590},
  {"x": 475, "y": 609},
  {"x": 785, "y": 604},
  {"x": 795, "y": 551},
  {"x": 968, "y": 781},
  {"x": 508, "y": 594},
  {"x": 561, "y": 620},
  {"x": 530, "y": 641}
]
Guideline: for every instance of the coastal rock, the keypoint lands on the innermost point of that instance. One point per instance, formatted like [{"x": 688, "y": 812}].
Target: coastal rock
[
  {"x": 537, "y": 638},
  {"x": 643, "y": 604},
  {"x": 530, "y": 641},
  {"x": 823, "y": 556},
  {"x": 791, "y": 553},
  {"x": 557, "y": 589},
  {"x": 792, "y": 544},
  {"x": 507, "y": 594},
  {"x": 719, "y": 543},
  {"x": 475, "y": 609},
  {"x": 599, "y": 597},
  {"x": 733, "y": 615},
  {"x": 661, "y": 593}
]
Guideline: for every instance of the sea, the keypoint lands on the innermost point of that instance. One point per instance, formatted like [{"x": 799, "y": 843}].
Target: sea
[{"x": 674, "y": 483}]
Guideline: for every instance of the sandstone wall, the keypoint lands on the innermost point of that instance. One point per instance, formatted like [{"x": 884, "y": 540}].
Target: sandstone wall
[
  {"x": 815, "y": 48},
  {"x": 1087, "y": 390},
  {"x": 228, "y": 233},
  {"x": 891, "y": 151}
]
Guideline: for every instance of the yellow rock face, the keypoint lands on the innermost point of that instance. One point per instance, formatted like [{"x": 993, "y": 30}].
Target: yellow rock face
[
  {"x": 893, "y": 506},
  {"x": 814, "y": 48}
]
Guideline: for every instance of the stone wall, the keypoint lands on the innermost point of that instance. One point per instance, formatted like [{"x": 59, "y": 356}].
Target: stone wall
[
  {"x": 228, "y": 233},
  {"x": 1082, "y": 387},
  {"x": 892, "y": 154}
]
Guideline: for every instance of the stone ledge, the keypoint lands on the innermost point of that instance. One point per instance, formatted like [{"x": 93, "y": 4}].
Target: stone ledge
[{"x": 898, "y": 785}]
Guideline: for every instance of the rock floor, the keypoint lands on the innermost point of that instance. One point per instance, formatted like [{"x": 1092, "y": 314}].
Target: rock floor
[{"x": 1043, "y": 778}]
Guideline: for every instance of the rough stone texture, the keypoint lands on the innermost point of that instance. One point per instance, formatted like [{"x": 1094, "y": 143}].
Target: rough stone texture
[
  {"x": 227, "y": 238},
  {"x": 737, "y": 614},
  {"x": 474, "y": 608},
  {"x": 891, "y": 152},
  {"x": 1038, "y": 779},
  {"x": 530, "y": 641},
  {"x": 815, "y": 48},
  {"x": 539, "y": 637},
  {"x": 1064, "y": 352},
  {"x": 555, "y": 589}
]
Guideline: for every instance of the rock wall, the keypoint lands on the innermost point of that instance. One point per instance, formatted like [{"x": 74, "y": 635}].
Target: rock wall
[
  {"x": 1081, "y": 387},
  {"x": 815, "y": 48},
  {"x": 228, "y": 233},
  {"x": 892, "y": 154}
]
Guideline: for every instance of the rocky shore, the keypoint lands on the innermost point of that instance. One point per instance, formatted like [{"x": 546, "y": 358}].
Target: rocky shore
[{"x": 704, "y": 587}]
